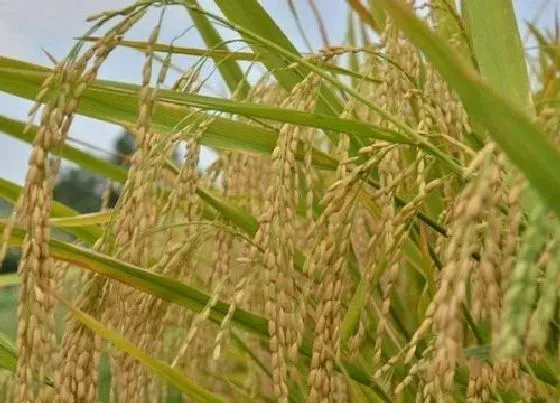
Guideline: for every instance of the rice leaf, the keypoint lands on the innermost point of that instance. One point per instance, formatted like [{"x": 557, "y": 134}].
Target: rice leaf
[
  {"x": 9, "y": 280},
  {"x": 171, "y": 290},
  {"x": 113, "y": 97},
  {"x": 109, "y": 103},
  {"x": 8, "y": 357},
  {"x": 82, "y": 220},
  {"x": 553, "y": 51},
  {"x": 214, "y": 53},
  {"x": 233, "y": 214},
  {"x": 15, "y": 129},
  {"x": 498, "y": 49},
  {"x": 171, "y": 375},
  {"x": 501, "y": 58},
  {"x": 7, "y": 353},
  {"x": 89, "y": 234},
  {"x": 117, "y": 102},
  {"x": 524, "y": 143},
  {"x": 352, "y": 317},
  {"x": 161, "y": 286},
  {"x": 253, "y": 17},
  {"x": 228, "y": 68}
]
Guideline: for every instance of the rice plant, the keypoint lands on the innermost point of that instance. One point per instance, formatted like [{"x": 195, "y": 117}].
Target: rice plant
[{"x": 380, "y": 222}]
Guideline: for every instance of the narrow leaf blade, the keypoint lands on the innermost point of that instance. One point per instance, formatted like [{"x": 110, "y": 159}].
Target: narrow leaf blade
[
  {"x": 173, "y": 376},
  {"x": 509, "y": 126}
]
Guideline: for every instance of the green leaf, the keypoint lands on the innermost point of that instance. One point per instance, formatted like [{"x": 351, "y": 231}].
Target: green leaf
[
  {"x": 7, "y": 353},
  {"x": 235, "y": 215},
  {"x": 500, "y": 58},
  {"x": 552, "y": 51},
  {"x": 352, "y": 317},
  {"x": 161, "y": 286},
  {"x": 115, "y": 102},
  {"x": 89, "y": 234},
  {"x": 253, "y": 111},
  {"x": 228, "y": 68},
  {"x": 498, "y": 49},
  {"x": 251, "y": 16},
  {"x": 9, "y": 280},
  {"x": 528, "y": 148},
  {"x": 215, "y": 53},
  {"x": 15, "y": 129},
  {"x": 83, "y": 220},
  {"x": 173, "y": 291},
  {"x": 171, "y": 375},
  {"x": 8, "y": 357},
  {"x": 119, "y": 107}
]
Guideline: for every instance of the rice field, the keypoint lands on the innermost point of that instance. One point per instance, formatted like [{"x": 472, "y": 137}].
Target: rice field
[{"x": 380, "y": 223}]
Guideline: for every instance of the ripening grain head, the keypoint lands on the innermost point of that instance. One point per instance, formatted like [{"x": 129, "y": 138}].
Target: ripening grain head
[{"x": 365, "y": 232}]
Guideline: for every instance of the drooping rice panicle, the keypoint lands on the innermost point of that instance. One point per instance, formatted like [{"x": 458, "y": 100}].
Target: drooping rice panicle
[{"x": 331, "y": 227}]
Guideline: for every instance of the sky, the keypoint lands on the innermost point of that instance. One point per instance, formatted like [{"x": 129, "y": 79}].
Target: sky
[{"x": 30, "y": 27}]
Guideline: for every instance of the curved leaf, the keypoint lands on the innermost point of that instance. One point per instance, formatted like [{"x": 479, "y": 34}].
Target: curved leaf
[
  {"x": 498, "y": 49},
  {"x": 7, "y": 353},
  {"x": 252, "y": 16},
  {"x": 173, "y": 376},
  {"x": 125, "y": 92},
  {"x": 9, "y": 280},
  {"x": 228, "y": 68},
  {"x": 15, "y": 128},
  {"x": 8, "y": 357},
  {"x": 117, "y": 103},
  {"x": 530, "y": 149},
  {"x": 89, "y": 234},
  {"x": 155, "y": 284},
  {"x": 173, "y": 291}
]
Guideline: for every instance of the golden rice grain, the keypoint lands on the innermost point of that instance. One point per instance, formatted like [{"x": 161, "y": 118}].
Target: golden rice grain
[{"x": 298, "y": 224}]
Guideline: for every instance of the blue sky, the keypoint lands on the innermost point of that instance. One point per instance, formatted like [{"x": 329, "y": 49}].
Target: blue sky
[{"x": 28, "y": 26}]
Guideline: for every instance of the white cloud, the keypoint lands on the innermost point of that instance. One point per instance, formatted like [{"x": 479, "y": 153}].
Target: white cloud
[{"x": 31, "y": 25}]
